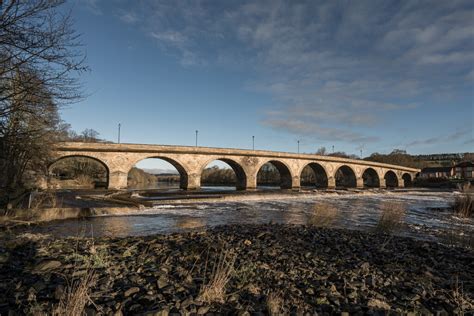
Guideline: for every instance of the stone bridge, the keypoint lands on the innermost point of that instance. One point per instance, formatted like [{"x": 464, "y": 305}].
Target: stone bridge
[{"x": 330, "y": 172}]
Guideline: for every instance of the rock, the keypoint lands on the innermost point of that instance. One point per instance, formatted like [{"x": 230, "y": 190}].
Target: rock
[
  {"x": 378, "y": 304},
  {"x": 203, "y": 310},
  {"x": 131, "y": 291},
  {"x": 309, "y": 291},
  {"x": 247, "y": 242},
  {"x": 4, "y": 257},
  {"x": 162, "y": 282},
  {"x": 47, "y": 266}
]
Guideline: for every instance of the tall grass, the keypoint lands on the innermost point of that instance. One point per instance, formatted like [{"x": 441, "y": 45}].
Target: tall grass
[
  {"x": 275, "y": 304},
  {"x": 76, "y": 296},
  {"x": 323, "y": 215},
  {"x": 223, "y": 270},
  {"x": 463, "y": 205},
  {"x": 392, "y": 218}
]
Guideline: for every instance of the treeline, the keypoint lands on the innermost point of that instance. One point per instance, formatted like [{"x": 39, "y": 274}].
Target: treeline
[
  {"x": 137, "y": 178},
  {"x": 217, "y": 176}
]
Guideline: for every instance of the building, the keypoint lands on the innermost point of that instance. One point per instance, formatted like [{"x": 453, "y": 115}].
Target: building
[
  {"x": 437, "y": 172},
  {"x": 464, "y": 170}
]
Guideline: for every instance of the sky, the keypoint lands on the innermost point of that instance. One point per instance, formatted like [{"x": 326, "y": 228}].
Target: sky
[{"x": 356, "y": 75}]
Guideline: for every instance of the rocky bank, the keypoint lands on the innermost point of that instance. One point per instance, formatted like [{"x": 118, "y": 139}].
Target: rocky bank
[{"x": 277, "y": 269}]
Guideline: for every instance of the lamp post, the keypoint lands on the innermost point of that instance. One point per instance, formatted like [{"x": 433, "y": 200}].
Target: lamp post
[
  {"x": 333, "y": 149},
  {"x": 253, "y": 142},
  {"x": 197, "y": 137},
  {"x": 298, "y": 146},
  {"x": 118, "y": 140},
  {"x": 361, "y": 154}
]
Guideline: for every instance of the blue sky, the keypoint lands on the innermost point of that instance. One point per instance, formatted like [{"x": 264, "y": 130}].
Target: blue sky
[{"x": 370, "y": 75}]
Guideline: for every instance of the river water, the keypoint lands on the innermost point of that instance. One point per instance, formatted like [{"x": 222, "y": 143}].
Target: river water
[{"x": 423, "y": 214}]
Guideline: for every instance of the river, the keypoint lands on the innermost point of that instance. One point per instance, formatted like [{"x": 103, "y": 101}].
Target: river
[{"x": 425, "y": 215}]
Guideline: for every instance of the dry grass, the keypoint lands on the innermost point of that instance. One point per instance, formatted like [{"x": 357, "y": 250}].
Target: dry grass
[
  {"x": 464, "y": 205},
  {"x": 46, "y": 199},
  {"x": 392, "y": 218},
  {"x": 76, "y": 296},
  {"x": 463, "y": 302},
  {"x": 84, "y": 180},
  {"x": 323, "y": 215},
  {"x": 275, "y": 304},
  {"x": 223, "y": 270}
]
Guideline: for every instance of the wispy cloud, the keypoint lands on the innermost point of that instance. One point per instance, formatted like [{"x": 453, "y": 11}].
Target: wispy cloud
[
  {"x": 332, "y": 68},
  {"x": 93, "y": 6},
  {"x": 457, "y": 136}
]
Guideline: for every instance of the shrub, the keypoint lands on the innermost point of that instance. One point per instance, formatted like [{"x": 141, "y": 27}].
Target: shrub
[
  {"x": 222, "y": 272},
  {"x": 464, "y": 205},
  {"x": 323, "y": 215},
  {"x": 392, "y": 218}
]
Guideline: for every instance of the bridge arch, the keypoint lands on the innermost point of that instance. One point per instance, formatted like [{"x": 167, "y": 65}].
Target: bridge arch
[
  {"x": 370, "y": 178},
  {"x": 391, "y": 179},
  {"x": 183, "y": 172},
  {"x": 283, "y": 169},
  {"x": 239, "y": 171},
  {"x": 320, "y": 175},
  {"x": 345, "y": 177},
  {"x": 407, "y": 180},
  {"x": 72, "y": 156}
]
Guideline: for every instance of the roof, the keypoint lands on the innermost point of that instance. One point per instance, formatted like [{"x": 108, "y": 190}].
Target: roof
[
  {"x": 436, "y": 169},
  {"x": 465, "y": 164}
]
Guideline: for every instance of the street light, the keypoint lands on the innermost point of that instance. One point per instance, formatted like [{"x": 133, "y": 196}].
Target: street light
[
  {"x": 253, "y": 142},
  {"x": 119, "y": 125},
  {"x": 298, "y": 146},
  {"x": 197, "y": 137}
]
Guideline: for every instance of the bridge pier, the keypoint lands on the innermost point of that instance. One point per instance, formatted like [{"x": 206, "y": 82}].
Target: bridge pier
[
  {"x": 360, "y": 183},
  {"x": 193, "y": 182},
  {"x": 331, "y": 183},
  {"x": 383, "y": 185},
  {"x": 117, "y": 180}
]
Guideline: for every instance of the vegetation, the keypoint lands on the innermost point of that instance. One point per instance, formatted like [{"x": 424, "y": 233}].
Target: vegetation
[
  {"x": 139, "y": 178},
  {"x": 218, "y": 176},
  {"x": 223, "y": 270},
  {"x": 323, "y": 215},
  {"x": 39, "y": 59},
  {"x": 391, "y": 219},
  {"x": 80, "y": 171},
  {"x": 464, "y": 205}
]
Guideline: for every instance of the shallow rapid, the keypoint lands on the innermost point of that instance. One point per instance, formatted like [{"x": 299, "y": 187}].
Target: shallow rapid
[{"x": 425, "y": 215}]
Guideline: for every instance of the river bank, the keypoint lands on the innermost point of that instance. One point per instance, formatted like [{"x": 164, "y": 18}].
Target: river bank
[{"x": 288, "y": 268}]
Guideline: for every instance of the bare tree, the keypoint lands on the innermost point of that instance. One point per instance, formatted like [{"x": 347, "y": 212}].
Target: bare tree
[
  {"x": 40, "y": 59},
  {"x": 321, "y": 151}
]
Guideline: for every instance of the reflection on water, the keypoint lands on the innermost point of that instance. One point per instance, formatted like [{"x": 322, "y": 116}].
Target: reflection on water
[{"x": 354, "y": 211}]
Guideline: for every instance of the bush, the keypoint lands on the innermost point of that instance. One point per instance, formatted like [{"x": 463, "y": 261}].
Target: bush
[{"x": 464, "y": 205}]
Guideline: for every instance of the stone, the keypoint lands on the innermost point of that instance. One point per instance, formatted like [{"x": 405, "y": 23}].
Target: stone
[
  {"x": 378, "y": 304},
  {"x": 131, "y": 291},
  {"x": 162, "y": 282},
  {"x": 47, "y": 266},
  {"x": 203, "y": 310}
]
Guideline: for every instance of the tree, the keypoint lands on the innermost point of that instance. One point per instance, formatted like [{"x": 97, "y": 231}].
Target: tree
[
  {"x": 321, "y": 151},
  {"x": 39, "y": 63},
  {"x": 90, "y": 135}
]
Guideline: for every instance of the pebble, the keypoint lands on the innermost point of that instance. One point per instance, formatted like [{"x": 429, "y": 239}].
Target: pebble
[{"x": 312, "y": 270}]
